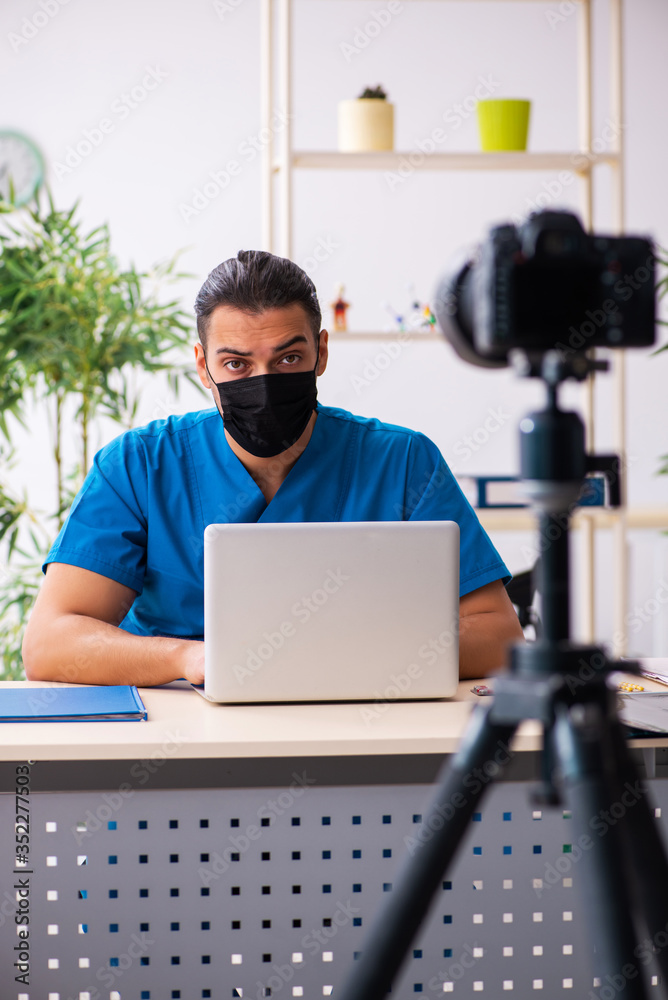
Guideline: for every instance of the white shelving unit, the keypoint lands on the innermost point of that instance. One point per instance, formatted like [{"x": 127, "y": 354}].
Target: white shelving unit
[
  {"x": 277, "y": 16},
  {"x": 281, "y": 162}
]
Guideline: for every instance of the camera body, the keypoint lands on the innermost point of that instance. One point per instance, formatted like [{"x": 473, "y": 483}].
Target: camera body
[{"x": 548, "y": 285}]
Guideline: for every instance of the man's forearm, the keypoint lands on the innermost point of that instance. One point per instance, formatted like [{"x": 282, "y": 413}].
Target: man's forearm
[
  {"x": 81, "y": 650},
  {"x": 483, "y": 642}
]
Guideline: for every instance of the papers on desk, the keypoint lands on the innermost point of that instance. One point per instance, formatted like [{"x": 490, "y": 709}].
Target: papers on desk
[
  {"x": 72, "y": 704},
  {"x": 645, "y": 711},
  {"x": 656, "y": 669}
]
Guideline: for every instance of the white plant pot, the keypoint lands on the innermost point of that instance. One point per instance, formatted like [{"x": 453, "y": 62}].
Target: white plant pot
[{"x": 365, "y": 123}]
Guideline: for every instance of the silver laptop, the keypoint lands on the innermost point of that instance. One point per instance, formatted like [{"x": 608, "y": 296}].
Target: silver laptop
[{"x": 340, "y": 611}]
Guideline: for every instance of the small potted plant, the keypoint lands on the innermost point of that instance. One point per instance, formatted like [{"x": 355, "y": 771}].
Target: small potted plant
[
  {"x": 366, "y": 122},
  {"x": 662, "y": 292}
]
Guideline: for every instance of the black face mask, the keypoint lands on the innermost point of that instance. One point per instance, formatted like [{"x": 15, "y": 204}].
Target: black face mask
[{"x": 267, "y": 414}]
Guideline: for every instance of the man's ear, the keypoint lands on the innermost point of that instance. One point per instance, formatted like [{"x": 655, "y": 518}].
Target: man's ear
[
  {"x": 200, "y": 364},
  {"x": 323, "y": 353}
]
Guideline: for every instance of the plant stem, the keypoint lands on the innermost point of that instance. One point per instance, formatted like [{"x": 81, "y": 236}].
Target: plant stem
[
  {"x": 84, "y": 434},
  {"x": 57, "y": 454}
]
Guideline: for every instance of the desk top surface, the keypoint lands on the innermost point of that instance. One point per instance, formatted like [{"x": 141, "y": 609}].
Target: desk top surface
[{"x": 182, "y": 724}]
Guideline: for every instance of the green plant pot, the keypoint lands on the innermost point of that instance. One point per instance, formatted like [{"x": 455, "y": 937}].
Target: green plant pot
[{"x": 503, "y": 124}]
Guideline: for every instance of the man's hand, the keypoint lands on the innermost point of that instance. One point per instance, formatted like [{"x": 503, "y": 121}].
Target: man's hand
[
  {"x": 193, "y": 662},
  {"x": 487, "y": 626},
  {"x": 73, "y": 636}
]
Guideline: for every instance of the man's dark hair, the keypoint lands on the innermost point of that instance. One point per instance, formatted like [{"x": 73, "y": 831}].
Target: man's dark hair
[{"x": 254, "y": 281}]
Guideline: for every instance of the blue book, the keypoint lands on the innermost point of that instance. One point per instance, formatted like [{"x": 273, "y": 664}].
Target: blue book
[{"x": 72, "y": 704}]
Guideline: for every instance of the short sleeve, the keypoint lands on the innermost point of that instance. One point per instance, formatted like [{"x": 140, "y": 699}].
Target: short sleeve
[
  {"x": 106, "y": 528},
  {"x": 433, "y": 494}
]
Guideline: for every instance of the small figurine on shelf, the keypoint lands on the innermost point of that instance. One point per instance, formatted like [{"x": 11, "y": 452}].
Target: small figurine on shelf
[
  {"x": 340, "y": 308},
  {"x": 418, "y": 318},
  {"x": 429, "y": 318},
  {"x": 399, "y": 323},
  {"x": 421, "y": 317}
]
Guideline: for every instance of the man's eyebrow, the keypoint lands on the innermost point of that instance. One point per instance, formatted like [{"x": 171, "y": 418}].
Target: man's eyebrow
[
  {"x": 233, "y": 350},
  {"x": 299, "y": 339}
]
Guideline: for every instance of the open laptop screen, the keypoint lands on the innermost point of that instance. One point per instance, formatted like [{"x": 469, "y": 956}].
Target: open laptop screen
[{"x": 331, "y": 611}]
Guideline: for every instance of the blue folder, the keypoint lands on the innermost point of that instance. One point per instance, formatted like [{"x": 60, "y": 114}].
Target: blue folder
[{"x": 71, "y": 704}]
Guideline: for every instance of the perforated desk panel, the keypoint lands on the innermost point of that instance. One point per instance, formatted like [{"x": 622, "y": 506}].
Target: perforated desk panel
[{"x": 269, "y": 892}]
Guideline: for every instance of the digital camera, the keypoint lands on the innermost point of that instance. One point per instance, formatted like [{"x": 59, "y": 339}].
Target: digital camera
[{"x": 547, "y": 285}]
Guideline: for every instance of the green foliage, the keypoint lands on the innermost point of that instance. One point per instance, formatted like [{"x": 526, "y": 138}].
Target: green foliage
[
  {"x": 72, "y": 323},
  {"x": 376, "y": 93},
  {"x": 662, "y": 285},
  {"x": 74, "y": 327},
  {"x": 20, "y": 578},
  {"x": 19, "y": 574}
]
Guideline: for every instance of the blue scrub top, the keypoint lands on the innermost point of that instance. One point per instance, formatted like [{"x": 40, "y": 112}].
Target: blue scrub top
[{"x": 139, "y": 517}]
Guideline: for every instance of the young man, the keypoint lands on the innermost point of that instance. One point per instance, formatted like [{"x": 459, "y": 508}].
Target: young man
[{"x": 122, "y": 600}]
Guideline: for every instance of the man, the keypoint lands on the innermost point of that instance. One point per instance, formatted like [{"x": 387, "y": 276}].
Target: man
[{"x": 130, "y": 553}]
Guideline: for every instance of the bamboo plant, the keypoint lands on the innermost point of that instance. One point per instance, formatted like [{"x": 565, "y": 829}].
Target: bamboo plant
[{"x": 75, "y": 328}]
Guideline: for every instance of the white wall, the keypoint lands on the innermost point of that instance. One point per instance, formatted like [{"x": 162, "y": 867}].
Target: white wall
[{"x": 383, "y": 236}]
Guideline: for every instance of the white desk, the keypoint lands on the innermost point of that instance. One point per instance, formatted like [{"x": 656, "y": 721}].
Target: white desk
[
  {"x": 180, "y": 716},
  {"x": 191, "y": 847}
]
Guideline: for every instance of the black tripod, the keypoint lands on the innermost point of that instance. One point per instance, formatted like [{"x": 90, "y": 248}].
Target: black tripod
[{"x": 584, "y": 757}]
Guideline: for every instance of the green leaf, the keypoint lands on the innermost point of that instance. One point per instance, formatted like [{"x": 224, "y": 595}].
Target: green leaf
[{"x": 73, "y": 326}]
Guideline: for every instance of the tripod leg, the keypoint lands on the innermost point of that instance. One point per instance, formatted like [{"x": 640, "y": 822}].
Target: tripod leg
[
  {"x": 584, "y": 751},
  {"x": 645, "y": 850},
  {"x": 483, "y": 752}
]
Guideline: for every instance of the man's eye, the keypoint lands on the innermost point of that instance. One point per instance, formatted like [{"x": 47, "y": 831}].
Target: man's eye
[
  {"x": 291, "y": 358},
  {"x": 234, "y": 364}
]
